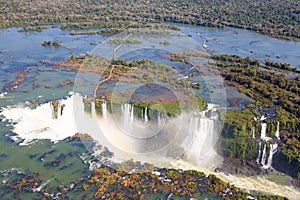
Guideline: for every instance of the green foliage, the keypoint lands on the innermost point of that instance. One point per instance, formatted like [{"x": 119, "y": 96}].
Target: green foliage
[
  {"x": 201, "y": 103},
  {"x": 236, "y": 140},
  {"x": 238, "y": 123},
  {"x": 269, "y": 86},
  {"x": 291, "y": 146},
  {"x": 275, "y": 18},
  {"x": 182, "y": 184},
  {"x": 240, "y": 148}
]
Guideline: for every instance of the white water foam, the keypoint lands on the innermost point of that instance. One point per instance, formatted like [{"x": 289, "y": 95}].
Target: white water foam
[{"x": 39, "y": 123}]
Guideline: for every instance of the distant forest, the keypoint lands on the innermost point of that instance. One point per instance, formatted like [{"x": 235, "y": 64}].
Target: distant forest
[{"x": 276, "y": 18}]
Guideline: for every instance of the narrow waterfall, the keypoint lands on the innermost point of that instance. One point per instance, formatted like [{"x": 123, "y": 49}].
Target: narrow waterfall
[
  {"x": 264, "y": 156},
  {"x": 159, "y": 120},
  {"x": 52, "y": 110},
  {"x": 263, "y": 130},
  {"x": 277, "y": 134},
  {"x": 146, "y": 115},
  {"x": 253, "y": 132},
  {"x": 93, "y": 110},
  {"x": 104, "y": 110},
  {"x": 131, "y": 113},
  {"x": 273, "y": 150},
  {"x": 58, "y": 110},
  {"x": 259, "y": 153}
]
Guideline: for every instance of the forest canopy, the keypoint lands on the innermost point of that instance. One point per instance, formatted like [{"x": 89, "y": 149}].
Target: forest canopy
[{"x": 276, "y": 18}]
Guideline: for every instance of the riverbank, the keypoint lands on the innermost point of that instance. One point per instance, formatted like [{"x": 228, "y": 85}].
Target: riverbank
[{"x": 260, "y": 184}]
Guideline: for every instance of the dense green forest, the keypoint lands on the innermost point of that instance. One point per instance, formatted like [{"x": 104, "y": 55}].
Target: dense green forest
[
  {"x": 268, "y": 84},
  {"x": 276, "y": 18},
  {"x": 273, "y": 86}
]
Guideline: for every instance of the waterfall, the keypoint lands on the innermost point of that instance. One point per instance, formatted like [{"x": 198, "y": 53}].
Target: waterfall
[
  {"x": 127, "y": 114},
  {"x": 131, "y": 112},
  {"x": 273, "y": 150},
  {"x": 263, "y": 130},
  {"x": 259, "y": 153},
  {"x": 200, "y": 137},
  {"x": 58, "y": 110},
  {"x": 52, "y": 110},
  {"x": 277, "y": 131},
  {"x": 253, "y": 132},
  {"x": 104, "y": 110},
  {"x": 93, "y": 110},
  {"x": 146, "y": 115},
  {"x": 43, "y": 122},
  {"x": 159, "y": 120},
  {"x": 264, "y": 156}
]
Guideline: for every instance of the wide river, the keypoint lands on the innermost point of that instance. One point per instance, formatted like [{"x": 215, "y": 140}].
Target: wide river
[{"x": 23, "y": 51}]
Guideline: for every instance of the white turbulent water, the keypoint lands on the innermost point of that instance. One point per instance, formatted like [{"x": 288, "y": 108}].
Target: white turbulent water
[
  {"x": 264, "y": 156},
  {"x": 277, "y": 134},
  {"x": 263, "y": 130},
  {"x": 127, "y": 112},
  {"x": 260, "y": 184},
  {"x": 131, "y": 113},
  {"x": 259, "y": 153},
  {"x": 38, "y": 123},
  {"x": 104, "y": 110},
  {"x": 273, "y": 150},
  {"x": 263, "y": 159},
  {"x": 253, "y": 133},
  {"x": 93, "y": 110},
  {"x": 201, "y": 131},
  {"x": 146, "y": 115},
  {"x": 59, "y": 114}
]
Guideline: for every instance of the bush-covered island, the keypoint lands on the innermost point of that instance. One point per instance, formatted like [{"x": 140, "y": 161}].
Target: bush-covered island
[{"x": 274, "y": 18}]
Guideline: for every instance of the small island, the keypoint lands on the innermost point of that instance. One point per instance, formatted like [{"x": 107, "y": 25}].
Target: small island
[{"x": 55, "y": 43}]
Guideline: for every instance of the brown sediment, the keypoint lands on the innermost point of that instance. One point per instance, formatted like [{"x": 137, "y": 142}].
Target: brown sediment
[
  {"x": 20, "y": 78},
  {"x": 66, "y": 83},
  {"x": 74, "y": 65}
]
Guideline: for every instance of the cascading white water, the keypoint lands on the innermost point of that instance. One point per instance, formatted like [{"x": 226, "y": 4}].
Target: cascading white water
[
  {"x": 52, "y": 110},
  {"x": 146, "y": 115},
  {"x": 104, "y": 110},
  {"x": 253, "y": 133},
  {"x": 200, "y": 137},
  {"x": 159, "y": 122},
  {"x": 127, "y": 116},
  {"x": 277, "y": 134},
  {"x": 58, "y": 110},
  {"x": 259, "y": 153},
  {"x": 263, "y": 131},
  {"x": 93, "y": 110},
  {"x": 264, "y": 156},
  {"x": 131, "y": 113},
  {"x": 40, "y": 122},
  {"x": 262, "y": 159},
  {"x": 273, "y": 150}
]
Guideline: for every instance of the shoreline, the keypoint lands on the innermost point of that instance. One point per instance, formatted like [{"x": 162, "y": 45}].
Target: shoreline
[
  {"x": 259, "y": 184},
  {"x": 96, "y": 29}
]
